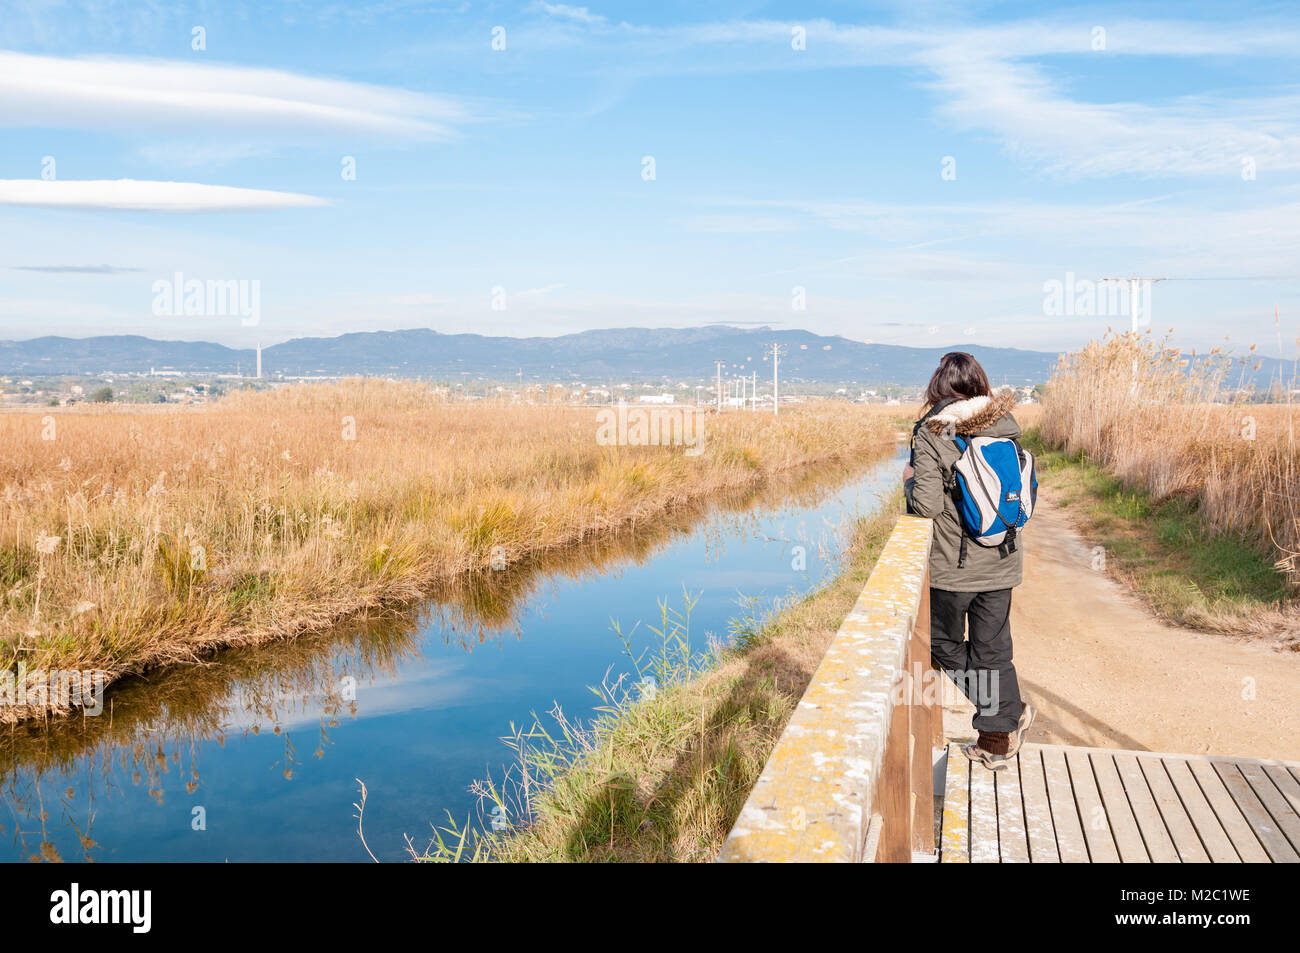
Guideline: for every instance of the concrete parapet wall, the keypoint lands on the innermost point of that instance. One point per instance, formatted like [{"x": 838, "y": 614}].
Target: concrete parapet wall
[{"x": 821, "y": 786}]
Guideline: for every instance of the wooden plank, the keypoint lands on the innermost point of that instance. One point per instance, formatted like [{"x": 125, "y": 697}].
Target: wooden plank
[
  {"x": 934, "y": 679},
  {"x": 920, "y": 726},
  {"x": 1151, "y": 823},
  {"x": 1181, "y": 757},
  {"x": 1176, "y": 815},
  {"x": 1238, "y": 829},
  {"x": 1070, "y": 840},
  {"x": 1013, "y": 845},
  {"x": 954, "y": 835},
  {"x": 1092, "y": 814},
  {"x": 1256, "y": 814},
  {"x": 936, "y": 688},
  {"x": 1287, "y": 784},
  {"x": 1038, "y": 809},
  {"x": 1279, "y": 808},
  {"x": 1128, "y": 837},
  {"x": 1208, "y": 824},
  {"x": 983, "y": 816},
  {"x": 895, "y": 790}
]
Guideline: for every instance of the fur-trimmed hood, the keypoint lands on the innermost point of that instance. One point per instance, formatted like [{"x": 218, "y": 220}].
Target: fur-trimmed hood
[{"x": 972, "y": 415}]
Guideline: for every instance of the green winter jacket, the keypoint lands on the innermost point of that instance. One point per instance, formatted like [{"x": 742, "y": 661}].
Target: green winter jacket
[{"x": 935, "y": 453}]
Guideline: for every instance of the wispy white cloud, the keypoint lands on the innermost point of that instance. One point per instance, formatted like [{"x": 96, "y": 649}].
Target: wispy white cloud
[
  {"x": 566, "y": 12},
  {"x": 77, "y": 269},
  {"x": 994, "y": 80},
  {"x": 1001, "y": 79},
  {"x": 1185, "y": 136},
  {"x": 137, "y": 196},
  {"x": 542, "y": 291},
  {"x": 187, "y": 98},
  {"x": 1251, "y": 234}
]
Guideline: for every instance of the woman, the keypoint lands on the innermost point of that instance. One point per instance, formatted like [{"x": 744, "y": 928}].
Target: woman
[{"x": 970, "y": 594}]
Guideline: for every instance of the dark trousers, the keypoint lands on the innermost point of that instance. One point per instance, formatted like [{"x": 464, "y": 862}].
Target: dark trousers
[{"x": 970, "y": 639}]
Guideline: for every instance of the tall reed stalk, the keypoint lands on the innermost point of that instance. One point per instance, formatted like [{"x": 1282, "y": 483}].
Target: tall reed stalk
[{"x": 1176, "y": 427}]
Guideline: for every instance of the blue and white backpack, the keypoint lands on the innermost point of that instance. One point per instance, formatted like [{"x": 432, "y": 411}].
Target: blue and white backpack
[{"x": 994, "y": 487}]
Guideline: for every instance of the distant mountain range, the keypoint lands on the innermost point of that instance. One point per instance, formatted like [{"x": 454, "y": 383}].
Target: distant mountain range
[{"x": 590, "y": 356}]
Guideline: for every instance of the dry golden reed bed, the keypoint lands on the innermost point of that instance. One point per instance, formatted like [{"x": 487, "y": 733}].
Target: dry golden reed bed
[
  {"x": 131, "y": 538},
  {"x": 1132, "y": 406}
]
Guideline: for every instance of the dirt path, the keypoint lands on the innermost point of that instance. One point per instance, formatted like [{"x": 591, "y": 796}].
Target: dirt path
[{"x": 1106, "y": 673}]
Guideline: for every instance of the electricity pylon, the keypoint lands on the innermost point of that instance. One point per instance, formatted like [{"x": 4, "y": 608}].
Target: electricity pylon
[
  {"x": 777, "y": 350},
  {"x": 1134, "y": 287}
]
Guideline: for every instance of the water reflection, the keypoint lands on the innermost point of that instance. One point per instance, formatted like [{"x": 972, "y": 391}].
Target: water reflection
[{"x": 62, "y": 778}]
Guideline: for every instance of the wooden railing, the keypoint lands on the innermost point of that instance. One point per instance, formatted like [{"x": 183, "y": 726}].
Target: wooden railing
[{"x": 851, "y": 778}]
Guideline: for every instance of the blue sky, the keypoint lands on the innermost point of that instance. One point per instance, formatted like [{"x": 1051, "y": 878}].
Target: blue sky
[{"x": 1093, "y": 140}]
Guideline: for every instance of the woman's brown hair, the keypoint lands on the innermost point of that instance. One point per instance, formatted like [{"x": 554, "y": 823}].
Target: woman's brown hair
[{"x": 957, "y": 377}]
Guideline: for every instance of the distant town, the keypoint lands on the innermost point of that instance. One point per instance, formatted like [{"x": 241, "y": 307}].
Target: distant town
[{"x": 166, "y": 385}]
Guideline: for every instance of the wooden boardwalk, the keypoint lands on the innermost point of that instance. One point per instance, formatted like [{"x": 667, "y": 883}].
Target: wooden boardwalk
[
  {"x": 855, "y": 774},
  {"x": 1097, "y": 805}
]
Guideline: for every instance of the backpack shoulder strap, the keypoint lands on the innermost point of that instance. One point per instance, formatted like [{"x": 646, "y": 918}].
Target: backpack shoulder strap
[
  {"x": 931, "y": 412},
  {"x": 916, "y": 427},
  {"x": 1020, "y": 451}
]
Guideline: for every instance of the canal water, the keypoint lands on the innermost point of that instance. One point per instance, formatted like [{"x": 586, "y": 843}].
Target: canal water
[{"x": 257, "y": 754}]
